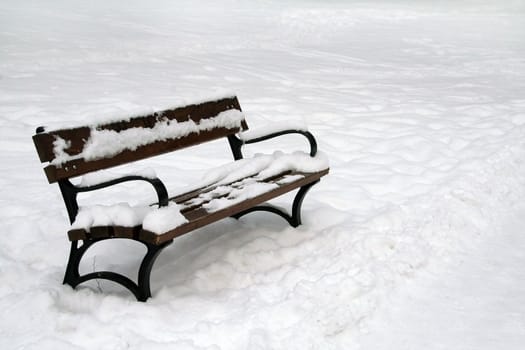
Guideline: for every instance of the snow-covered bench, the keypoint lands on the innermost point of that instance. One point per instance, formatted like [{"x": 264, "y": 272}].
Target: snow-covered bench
[{"x": 230, "y": 191}]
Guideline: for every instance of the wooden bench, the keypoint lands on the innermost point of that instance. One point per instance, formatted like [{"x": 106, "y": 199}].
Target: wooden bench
[{"x": 73, "y": 152}]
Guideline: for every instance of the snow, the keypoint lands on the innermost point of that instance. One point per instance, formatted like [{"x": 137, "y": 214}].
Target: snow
[
  {"x": 479, "y": 307},
  {"x": 160, "y": 220},
  {"x": 273, "y": 128},
  {"x": 153, "y": 219},
  {"x": 103, "y": 143},
  {"x": 238, "y": 195},
  {"x": 98, "y": 177},
  {"x": 263, "y": 166},
  {"x": 120, "y": 214},
  {"x": 234, "y": 183},
  {"x": 127, "y": 111},
  {"x": 289, "y": 179},
  {"x": 418, "y": 105}
]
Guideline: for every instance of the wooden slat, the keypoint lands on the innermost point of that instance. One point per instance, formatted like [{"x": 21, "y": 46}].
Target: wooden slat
[
  {"x": 105, "y": 232},
  {"x": 198, "y": 217},
  {"x": 78, "y": 136},
  {"x": 186, "y": 196},
  {"x": 44, "y": 142},
  {"x": 80, "y": 166},
  {"x": 183, "y": 200}
]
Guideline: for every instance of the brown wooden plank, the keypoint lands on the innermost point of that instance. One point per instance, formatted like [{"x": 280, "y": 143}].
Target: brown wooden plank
[
  {"x": 187, "y": 207},
  {"x": 78, "y": 136},
  {"x": 44, "y": 142},
  {"x": 77, "y": 234},
  {"x": 80, "y": 166},
  {"x": 104, "y": 232},
  {"x": 200, "y": 217},
  {"x": 186, "y": 196}
]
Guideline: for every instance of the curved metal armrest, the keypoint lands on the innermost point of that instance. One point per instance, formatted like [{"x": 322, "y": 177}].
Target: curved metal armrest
[
  {"x": 70, "y": 191},
  {"x": 237, "y": 143},
  {"x": 158, "y": 185}
]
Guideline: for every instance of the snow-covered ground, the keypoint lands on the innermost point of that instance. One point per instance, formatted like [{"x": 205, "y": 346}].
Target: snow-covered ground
[
  {"x": 419, "y": 106},
  {"x": 472, "y": 302}
]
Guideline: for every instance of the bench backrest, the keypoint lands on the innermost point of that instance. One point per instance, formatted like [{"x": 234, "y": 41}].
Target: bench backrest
[{"x": 80, "y": 150}]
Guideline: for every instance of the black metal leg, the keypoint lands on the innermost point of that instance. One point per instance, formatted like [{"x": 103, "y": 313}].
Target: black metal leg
[
  {"x": 75, "y": 255},
  {"x": 298, "y": 203},
  {"x": 295, "y": 219},
  {"x": 268, "y": 208},
  {"x": 145, "y": 269},
  {"x": 140, "y": 290}
]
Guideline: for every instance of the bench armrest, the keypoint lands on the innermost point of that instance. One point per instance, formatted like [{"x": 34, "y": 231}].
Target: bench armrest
[
  {"x": 70, "y": 191},
  {"x": 158, "y": 185},
  {"x": 307, "y": 134},
  {"x": 237, "y": 143}
]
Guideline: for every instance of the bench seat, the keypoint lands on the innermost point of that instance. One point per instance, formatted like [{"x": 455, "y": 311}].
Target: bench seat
[{"x": 236, "y": 198}]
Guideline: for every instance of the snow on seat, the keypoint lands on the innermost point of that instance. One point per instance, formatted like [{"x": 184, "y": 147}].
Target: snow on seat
[
  {"x": 223, "y": 193},
  {"x": 232, "y": 190}
]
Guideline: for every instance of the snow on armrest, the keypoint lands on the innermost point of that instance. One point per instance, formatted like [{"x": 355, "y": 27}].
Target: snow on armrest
[
  {"x": 156, "y": 220},
  {"x": 296, "y": 161},
  {"x": 290, "y": 127},
  {"x": 272, "y": 129},
  {"x": 99, "y": 177}
]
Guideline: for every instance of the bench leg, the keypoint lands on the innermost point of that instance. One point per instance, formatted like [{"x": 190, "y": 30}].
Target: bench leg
[
  {"x": 295, "y": 219},
  {"x": 140, "y": 290}
]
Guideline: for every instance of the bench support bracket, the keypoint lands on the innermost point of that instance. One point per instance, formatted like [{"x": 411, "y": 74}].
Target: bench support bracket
[
  {"x": 295, "y": 219},
  {"x": 140, "y": 290}
]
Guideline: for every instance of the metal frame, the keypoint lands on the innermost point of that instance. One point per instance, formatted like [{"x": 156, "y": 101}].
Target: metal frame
[
  {"x": 295, "y": 219},
  {"x": 237, "y": 143},
  {"x": 70, "y": 191},
  {"x": 141, "y": 290}
]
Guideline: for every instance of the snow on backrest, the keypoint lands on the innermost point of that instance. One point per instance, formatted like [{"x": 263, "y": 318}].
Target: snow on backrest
[{"x": 79, "y": 150}]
